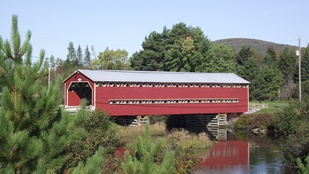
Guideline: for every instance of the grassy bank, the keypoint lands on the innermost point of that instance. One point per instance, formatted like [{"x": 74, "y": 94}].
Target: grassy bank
[
  {"x": 188, "y": 147},
  {"x": 268, "y": 106},
  {"x": 262, "y": 119}
]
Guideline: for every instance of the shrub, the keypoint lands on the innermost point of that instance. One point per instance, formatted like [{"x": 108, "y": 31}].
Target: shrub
[
  {"x": 303, "y": 167},
  {"x": 242, "y": 122},
  {"x": 252, "y": 121},
  {"x": 149, "y": 157},
  {"x": 293, "y": 125},
  {"x": 99, "y": 132}
]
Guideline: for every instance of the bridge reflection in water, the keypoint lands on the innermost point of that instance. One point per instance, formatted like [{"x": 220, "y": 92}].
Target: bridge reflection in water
[{"x": 227, "y": 155}]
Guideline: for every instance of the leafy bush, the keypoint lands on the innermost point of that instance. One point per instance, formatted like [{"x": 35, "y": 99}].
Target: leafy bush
[
  {"x": 188, "y": 147},
  {"x": 288, "y": 121},
  {"x": 242, "y": 122},
  {"x": 293, "y": 125},
  {"x": 99, "y": 132},
  {"x": 252, "y": 121}
]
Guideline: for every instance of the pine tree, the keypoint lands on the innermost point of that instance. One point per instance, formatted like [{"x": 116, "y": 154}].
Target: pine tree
[
  {"x": 71, "y": 56},
  {"x": 303, "y": 168},
  {"x": 270, "y": 58},
  {"x": 147, "y": 158},
  {"x": 34, "y": 131},
  {"x": 93, "y": 53},
  {"x": 59, "y": 62},
  {"x": 52, "y": 62},
  {"x": 79, "y": 56},
  {"x": 46, "y": 63},
  {"x": 305, "y": 64},
  {"x": 87, "y": 58},
  {"x": 92, "y": 165}
]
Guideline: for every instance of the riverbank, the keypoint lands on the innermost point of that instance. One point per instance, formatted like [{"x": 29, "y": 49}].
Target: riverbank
[
  {"x": 182, "y": 137},
  {"x": 188, "y": 147}
]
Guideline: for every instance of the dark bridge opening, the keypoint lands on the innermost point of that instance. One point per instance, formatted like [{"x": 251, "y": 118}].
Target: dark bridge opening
[{"x": 83, "y": 90}]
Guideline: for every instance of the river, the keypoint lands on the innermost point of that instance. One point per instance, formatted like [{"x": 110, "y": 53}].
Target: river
[{"x": 238, "y": 153}]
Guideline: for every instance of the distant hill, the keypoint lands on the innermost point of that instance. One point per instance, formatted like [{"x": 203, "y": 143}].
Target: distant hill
[{"x": 259, "y": 45}]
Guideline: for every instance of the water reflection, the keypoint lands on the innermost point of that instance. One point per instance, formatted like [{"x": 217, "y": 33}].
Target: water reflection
[{"x": 231, "y": 155}]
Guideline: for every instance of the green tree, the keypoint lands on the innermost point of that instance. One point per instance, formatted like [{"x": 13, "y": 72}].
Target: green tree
[
  {"x": 71, "y": 56},
  {"x": 288, "y": 64},
  {"x": 93, "y": 53},
  {"x": 243, "y": 55},
  {"x": 92, "y": 164},
  {"x": 148, "y": 157},
  {"x": 98, "y": 132},
  {"x": 87, "y": 58},
  {"x": 288, "y": 67},
  {"x": 305, "y": 64},
  {"x": 46, "y": 62},
  {"x": 79, "y": 56},
  {"x": 248, "y": 62},
  {"x": 59, "y": 62},
  {"x": 270, "y": 58},
  {"x": 178, "y": 58},
  {"x": 151, "y": 58},
  {"x": 34, "y": 131},
  {"x": 181, "y": 48},
  {"x": 292, "y": 125},
  {"x": 112, "y": 60},
  {"x": 52, "y": 62},
  {"x": 267, "y": 83},
  {"x": 219, "y": 58}
]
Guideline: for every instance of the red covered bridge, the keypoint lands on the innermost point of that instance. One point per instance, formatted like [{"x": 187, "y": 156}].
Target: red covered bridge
[{"x": 139, "y": 93}]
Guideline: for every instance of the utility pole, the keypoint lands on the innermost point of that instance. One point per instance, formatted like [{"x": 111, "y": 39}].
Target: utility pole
[{"x": 299, "y": 67}]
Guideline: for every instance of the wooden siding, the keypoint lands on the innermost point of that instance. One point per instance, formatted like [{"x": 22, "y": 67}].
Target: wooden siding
[
  {"x": 105, "y": 94},
  {"x": 70, "y": 97}
]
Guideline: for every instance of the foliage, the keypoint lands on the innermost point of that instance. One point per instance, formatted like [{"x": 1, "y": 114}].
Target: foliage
[
  {"x": 303, "y": 167},
  {"x": 92, "y": 165},
  {"x": 270, "y": 58},
  {"x": 242, "y": 122},
  {"x": 52, "y": 62},
  {"x": 79, "y": 56},
  {"x": 112, "y": 60},
  {"x": 99, "y": 132},
  {"x": 293, "y": 125},
  {"x": 305, "y": 64},
  {"x": 87, "y": 58},
  {"x": 188, "y": 147},
  {"x": 267, "y": 83},
  {"x": 71, "y": 57},
  {"x": 287, "y": 65},
  {"x": 34, "y": 131},
  {"x": 181, "y": 48},
  {"x": 220, "y": 58},
  {"x": 251, "y": 121},
  {"x": 304, "y": 90},
  {"x": 291, "y": 117},
  {"x": 148, "y": 157}
]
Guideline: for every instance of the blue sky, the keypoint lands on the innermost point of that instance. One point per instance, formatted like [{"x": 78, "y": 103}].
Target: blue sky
[{"x": 121, "y": 24}]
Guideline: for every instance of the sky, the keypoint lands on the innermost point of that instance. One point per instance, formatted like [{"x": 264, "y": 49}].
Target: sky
[{"x": 121, "y": 24}]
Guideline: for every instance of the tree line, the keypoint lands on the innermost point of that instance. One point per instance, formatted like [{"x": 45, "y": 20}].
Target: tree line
[{"x": 273, "y": 75}]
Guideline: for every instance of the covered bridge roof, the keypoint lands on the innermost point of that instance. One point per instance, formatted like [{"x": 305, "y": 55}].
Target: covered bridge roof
[{"x": 159, "y": 76}]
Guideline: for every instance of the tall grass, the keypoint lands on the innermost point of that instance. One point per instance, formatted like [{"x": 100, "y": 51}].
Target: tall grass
[{"x": 182, "y": 138}]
